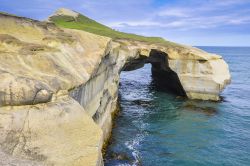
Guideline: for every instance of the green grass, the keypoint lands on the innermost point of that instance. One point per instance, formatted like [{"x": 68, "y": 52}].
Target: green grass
[
  {"x": 86, "y": 24},
  {"x": 7, "y": 14}
]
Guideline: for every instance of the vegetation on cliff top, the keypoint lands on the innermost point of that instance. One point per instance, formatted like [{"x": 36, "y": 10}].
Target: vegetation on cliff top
[
  {"x": 84, "y": 23},
  {"x": 7, "y": 14}
]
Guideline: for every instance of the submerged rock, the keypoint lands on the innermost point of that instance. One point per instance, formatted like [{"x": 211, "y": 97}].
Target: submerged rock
[
  {"x": 121, "y": 156},
  {"x": 203, "y": 109},
  {"x": 143, "y": 103}
]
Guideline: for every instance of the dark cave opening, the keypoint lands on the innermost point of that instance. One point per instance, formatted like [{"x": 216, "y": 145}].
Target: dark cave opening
[{"x": 163, "y": 78}]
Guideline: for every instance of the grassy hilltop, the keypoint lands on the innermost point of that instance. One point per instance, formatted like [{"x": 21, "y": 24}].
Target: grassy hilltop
[{"x": 82, "y": 22}]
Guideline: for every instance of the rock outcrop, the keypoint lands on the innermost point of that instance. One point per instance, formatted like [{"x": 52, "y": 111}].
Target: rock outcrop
[
  {"x": 201, "y": 75},
  {"x": 59, "y": 88}
]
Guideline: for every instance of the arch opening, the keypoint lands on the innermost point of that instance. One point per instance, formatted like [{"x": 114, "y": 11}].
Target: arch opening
[{"x": 163, "y": 78}]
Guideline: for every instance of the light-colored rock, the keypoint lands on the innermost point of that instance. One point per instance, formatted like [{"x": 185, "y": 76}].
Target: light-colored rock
[
  {"x": 38, "y": 60},
  {"x": 59, "y": 88},
  {"x": 56, "y": 133},
  {"x": 65, "y": 12},
  {"x": 39, "y": 65},
  {"x": 202, "y": 75}
]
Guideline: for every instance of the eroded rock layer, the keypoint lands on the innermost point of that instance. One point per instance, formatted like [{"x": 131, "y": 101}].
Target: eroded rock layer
[{"x": 59, "y": 87}]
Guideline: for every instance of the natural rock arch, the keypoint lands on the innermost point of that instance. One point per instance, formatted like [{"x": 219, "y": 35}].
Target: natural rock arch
[
  {"x": 164, "y": 78},
  {"x": 58, "y": 87}
]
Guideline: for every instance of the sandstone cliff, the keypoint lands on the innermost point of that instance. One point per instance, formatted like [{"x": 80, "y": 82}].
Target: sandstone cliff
[{"x": 59, "y": 87}]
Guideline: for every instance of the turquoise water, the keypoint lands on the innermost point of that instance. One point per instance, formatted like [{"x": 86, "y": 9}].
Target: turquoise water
[{"x": 157, "y": 129}]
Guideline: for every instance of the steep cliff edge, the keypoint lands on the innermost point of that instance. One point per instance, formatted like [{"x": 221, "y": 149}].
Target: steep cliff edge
[
  {"x": 202, "y": 75},
  {"x": 59, "y": 87}
]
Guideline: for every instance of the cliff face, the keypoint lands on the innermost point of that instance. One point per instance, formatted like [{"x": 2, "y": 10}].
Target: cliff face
[
  {"x": 200, "y": 75},
  {"x": 59, "y": 88}
]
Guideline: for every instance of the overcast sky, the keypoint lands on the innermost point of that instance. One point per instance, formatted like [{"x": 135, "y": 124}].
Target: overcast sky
[{"x": 192, "y": 22}]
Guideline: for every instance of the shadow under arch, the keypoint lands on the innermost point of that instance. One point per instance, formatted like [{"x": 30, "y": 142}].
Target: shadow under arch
[{"x": 163, "y": 78}]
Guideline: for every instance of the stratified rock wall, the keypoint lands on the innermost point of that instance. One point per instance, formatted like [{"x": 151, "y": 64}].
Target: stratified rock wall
[
  {"x": 55, "y": 133},
  {"x": 59, "y": 88},
  {"x": 39, "y": 65},
  {"x": 202, "y": 75}
]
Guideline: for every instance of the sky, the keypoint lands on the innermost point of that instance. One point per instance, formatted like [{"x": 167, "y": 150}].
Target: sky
[{"x": 191, "y": 22}]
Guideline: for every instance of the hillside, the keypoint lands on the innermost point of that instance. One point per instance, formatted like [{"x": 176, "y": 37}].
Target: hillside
[{"x": 67, "y": 19}]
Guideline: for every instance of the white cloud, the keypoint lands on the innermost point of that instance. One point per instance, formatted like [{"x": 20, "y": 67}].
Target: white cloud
[
  {"x": 133, "y": 23},
  {"x": 174, "y": 24},
  {"x": 228, "y": 2},
  {"x": 176, "y": 12},
  {"x": 147, "y": 17}
]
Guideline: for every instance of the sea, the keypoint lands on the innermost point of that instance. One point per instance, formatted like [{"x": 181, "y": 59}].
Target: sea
[{"x": 156, "y": 128}]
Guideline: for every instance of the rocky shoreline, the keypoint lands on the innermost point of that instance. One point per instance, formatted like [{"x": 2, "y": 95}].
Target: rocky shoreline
[{"x": 59, "y": 87}]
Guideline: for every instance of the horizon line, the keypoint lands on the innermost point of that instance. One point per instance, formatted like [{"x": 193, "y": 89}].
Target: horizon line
[{"x": 219, "y": 46}]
